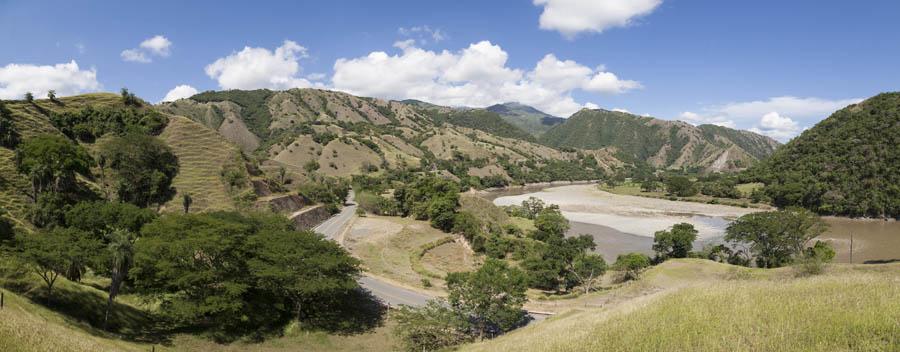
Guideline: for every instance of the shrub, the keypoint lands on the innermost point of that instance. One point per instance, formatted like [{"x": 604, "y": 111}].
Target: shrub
[{"x": 631, "y": 265}]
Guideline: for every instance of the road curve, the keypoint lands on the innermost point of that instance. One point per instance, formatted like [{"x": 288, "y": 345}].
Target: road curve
[{"x": 388, "y": 293}]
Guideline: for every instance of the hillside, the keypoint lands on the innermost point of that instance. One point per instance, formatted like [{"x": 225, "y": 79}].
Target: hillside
[
  {"x": 661, "y": 143},
  {"x": 846, "y": 164},
  {"x": 203, "y": 154},
  {"x": 527, "y": 118},
  {"x": 337, "y": 134},
  {"x": 696, "y": 305}
]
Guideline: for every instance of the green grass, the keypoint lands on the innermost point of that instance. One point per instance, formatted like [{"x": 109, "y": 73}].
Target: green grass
[
  {"x": 692, "y": 306},
  {"x": 202, "y": 153}
]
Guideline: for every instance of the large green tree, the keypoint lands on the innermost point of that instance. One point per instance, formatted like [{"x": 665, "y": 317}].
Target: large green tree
[
  {"x": 51, "y": 163},
  {"x": 493, "y": 296},
  {"x": 237, "y": 273},
  {"x": 775, "y": 237},
  {"x": 674, "y": 243},
  {"x": 143, "y": 169}
]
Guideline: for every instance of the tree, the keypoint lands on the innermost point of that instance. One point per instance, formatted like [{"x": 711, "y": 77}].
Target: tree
[
  {"x": 7, "y": 229},
  {"x": 128, "y": 98},
  {"x": 435, "y": 326},
  {"x": 492, "y": 296},
  {"x": 675, "y": 243},
  {"x": 631, "y": 265},
  {"x": 51, "y": 94},
  {"x": 649, "y": 186},
  {"x": 301, "y": 266},
  {"x": 775, "y": 237},
  {"x": 587, "y": 269},
  {"x": 100, "y": 218},
  {"x": 311, "y": 166},
  {"x": 120, "y": 249},
  {"x": 186, "y": 201},
  {"x": 532, "y": 206},
  {"x": 9, "y": 136},
  {"x": 681, "y": 186},
  {"x": 238, "y": 273},
  {"x": 55, "y": 252},
  {"x": 29, "y": 97},
  {"x": 51, "y": 163},
  {"x": 550, "y": 220},
  {"x": 143, "y": 169}
]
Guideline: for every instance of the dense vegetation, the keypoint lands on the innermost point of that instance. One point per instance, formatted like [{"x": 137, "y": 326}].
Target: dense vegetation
[
  {"x": 255, "y": 111},
  {"x": 527, "y": 118},
  {"x": 483, "y": 120},
  {"x": 90, "y": 123},
  {"x": 845, "y": 165}
]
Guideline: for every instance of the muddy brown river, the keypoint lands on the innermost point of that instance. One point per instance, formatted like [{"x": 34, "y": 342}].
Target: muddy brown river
[{"x": 874, "y": 241}]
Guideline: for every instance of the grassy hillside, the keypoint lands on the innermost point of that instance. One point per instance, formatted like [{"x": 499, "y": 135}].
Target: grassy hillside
[
  {"x": 527, "y": 118},
  {"x": 693, "y": 305},
  {"x": 484, "y": 120},
  {"x": 846, "y": 164},
  {"x": 664, "y": 144},
  {"x": 202, "y": 157}
]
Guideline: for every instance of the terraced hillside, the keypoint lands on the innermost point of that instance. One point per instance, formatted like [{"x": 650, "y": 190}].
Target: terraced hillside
[
  {"x": 203, "y": 156},
  {"x": 661, "y": 143}
]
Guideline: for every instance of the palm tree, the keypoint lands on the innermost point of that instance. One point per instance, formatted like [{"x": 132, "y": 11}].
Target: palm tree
[{"x": 121, "y": 250}]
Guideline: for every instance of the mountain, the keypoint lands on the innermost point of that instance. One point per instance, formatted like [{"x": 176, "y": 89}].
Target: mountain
[
  {"x": 347, "y": 135},
  {"x": 527, "y": 118},
  {"x": 847, "y": 164},
  {"x": 661, "y": 143}
]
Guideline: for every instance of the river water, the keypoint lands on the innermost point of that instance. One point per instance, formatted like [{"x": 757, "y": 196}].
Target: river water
[{"x": 873, "y": 240}]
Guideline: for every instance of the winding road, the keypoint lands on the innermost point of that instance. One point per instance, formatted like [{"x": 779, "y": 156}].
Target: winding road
[{"x": 388, "y": 293}]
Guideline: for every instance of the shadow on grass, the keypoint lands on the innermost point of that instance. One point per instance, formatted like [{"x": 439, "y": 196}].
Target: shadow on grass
[
  {"x": 881, "y": 261},
  {"x": 355, "y": 312}
]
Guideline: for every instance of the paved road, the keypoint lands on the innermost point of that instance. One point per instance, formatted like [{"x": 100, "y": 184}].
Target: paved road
[{"x": 388, "y": 293}]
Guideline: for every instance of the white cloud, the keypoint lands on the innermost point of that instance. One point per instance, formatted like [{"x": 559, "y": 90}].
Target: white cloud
[
  {"x": 781, "y": 118},
  {"x": 776, "y": 126},
  {"x": 621, "y": 110},
  {"x": 571, "y": 17},
  {"x": 697, "y": 119},
  {"x": 424, "y": 34},
  {"x": 590, "y": 105},
  {"x": 787, "y": 105},
  {"x": 475, "y": 76},
  {"x": 135, "y": 55},
  {"x": 180, "y": 92},
  {"x": 255, "y": 68},
  {"x": 65, "y": 79},
  {"x": 157, "y": 45}
]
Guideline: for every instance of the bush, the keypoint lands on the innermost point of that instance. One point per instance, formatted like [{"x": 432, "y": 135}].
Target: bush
[
  {"x": 377, "y": 205},
  {"x": 681, "y": 186},
  {"x": 631, "y": 265}
]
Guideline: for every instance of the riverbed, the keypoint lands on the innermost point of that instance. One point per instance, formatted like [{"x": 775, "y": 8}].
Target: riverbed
[{"x": 622, "y": 223}]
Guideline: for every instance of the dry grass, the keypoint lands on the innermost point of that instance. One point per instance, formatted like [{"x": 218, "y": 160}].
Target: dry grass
[
  {"x": 202, "y": 153},
  {"x": 386, "y": 246},
  {"x": 699, "y": 307}
]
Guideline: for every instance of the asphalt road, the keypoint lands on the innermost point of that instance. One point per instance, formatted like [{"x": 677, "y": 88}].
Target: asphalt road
[{"x": 388, "y": 293}]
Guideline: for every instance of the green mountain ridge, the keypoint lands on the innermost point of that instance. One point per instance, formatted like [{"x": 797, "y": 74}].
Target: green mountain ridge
[
  {"x": 527, "y": 118},
  {"x": 661, "y": 143},
  {"x": 847, "y": 164}
]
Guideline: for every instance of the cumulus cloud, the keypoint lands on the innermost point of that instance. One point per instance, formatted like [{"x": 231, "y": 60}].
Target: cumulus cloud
[
  {"x": 571, "y": 17},
  {"x": 255, "y": 68},
  {"x": 180, "y": 92},
  {"x": 776, "y": 126},
  {"x": 476, "y": 76},
  {"x": 65, "y": 79},
  {"x": 781, "y": 118},
  {"x": 155, "y": 46},
  {"x": 423, "y": 34}
]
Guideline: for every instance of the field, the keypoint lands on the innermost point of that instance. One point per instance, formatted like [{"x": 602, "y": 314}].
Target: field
[
  {"x": 693, "y": 305},
  {"x": 406, "y": 251}
]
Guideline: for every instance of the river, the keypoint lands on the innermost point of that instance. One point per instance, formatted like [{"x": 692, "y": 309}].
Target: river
[{"x": 622, "y": 224}]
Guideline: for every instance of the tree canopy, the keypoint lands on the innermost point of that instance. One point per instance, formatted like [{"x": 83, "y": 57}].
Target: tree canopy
[{"x": 775, "y": 237}]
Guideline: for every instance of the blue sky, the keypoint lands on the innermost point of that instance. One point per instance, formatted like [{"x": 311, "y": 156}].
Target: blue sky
[{"x": 773, "y": 66}]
